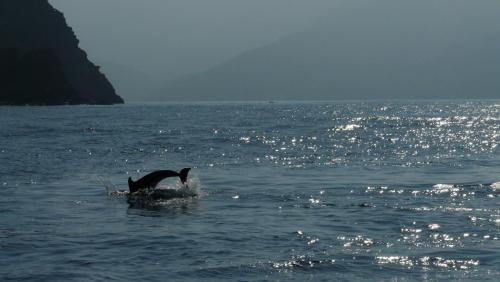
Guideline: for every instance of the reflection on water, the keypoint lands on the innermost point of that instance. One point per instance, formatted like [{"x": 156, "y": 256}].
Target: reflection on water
[{"x": 354, "y": 191}]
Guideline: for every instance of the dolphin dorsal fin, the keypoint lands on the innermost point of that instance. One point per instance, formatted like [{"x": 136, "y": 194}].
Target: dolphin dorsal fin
[{"x": 131, "y": 185}]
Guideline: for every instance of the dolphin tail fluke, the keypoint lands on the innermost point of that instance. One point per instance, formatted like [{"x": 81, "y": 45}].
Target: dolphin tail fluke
[{"x": 183, "y": 174}]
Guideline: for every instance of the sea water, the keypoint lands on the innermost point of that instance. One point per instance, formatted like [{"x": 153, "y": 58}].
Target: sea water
[{"x": 285, "y": 192}]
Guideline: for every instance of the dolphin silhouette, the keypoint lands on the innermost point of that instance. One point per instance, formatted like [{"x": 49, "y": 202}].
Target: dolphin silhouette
[{"x": 151, "y": 180}]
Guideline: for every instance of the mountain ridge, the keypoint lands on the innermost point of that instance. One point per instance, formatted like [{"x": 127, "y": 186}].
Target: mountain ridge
[
  {"x": 364, "y": 52},
  {"x": 46, "y": 65}
]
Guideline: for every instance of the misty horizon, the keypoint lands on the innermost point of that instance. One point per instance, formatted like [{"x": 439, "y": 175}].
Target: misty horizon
[{"x": 144, "y": 48}]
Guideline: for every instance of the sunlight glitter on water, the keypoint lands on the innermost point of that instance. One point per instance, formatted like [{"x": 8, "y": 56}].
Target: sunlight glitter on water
[
  {"x": 282, "y": 200},
  {"x": 437, "y": 262}
]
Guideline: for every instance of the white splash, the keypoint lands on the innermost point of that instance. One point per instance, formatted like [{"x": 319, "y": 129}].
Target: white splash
[
  {"x": 348, "y": 127},
  {"x": 110, "y": 188},
  {"x": 433, "y": 226},
  {"x": 444, "y": 188},
  {"x": 495, "y": 186},
  {"x": 193, "y": 187}
]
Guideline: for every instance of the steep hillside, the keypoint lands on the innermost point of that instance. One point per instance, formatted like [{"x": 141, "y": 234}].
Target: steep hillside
[{"x": 40, "y": 61}]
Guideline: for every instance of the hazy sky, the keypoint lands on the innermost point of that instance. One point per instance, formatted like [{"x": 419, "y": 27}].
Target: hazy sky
[
  {"x": 143, "y": 44},
  {"x": 368, "y": 49},
  {"x": 167, "y": 38}
]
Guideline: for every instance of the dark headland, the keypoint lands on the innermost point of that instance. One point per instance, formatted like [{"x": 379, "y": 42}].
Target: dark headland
[{"x": 40, "y": 61}]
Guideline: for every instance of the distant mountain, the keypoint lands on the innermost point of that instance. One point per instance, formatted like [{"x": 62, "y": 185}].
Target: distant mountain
[
  {"x": 368, "y": 50},
  {"x": 40, "y": 61}
]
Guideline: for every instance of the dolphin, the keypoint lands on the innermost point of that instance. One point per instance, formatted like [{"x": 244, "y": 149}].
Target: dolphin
[{"x": 151, "y": 180}]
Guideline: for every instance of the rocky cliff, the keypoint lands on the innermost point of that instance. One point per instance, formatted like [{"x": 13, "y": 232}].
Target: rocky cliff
[{"x": 40, "y": 61}]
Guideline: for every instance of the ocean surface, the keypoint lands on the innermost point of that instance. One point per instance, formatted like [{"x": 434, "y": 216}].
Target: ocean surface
[{"x": 323, "y": 191}]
